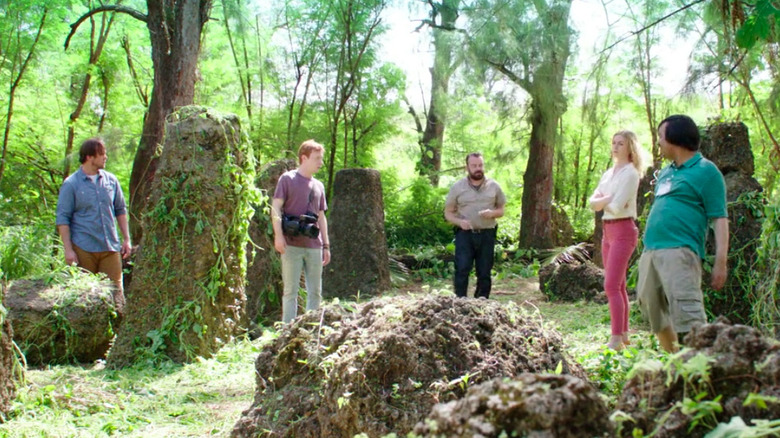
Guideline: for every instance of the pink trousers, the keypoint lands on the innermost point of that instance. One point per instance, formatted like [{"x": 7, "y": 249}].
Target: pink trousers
[{"x": 617, "y": 245}]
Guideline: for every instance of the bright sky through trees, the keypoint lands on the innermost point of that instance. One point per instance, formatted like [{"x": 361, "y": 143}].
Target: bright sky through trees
[{"x": 412, "y": 51}]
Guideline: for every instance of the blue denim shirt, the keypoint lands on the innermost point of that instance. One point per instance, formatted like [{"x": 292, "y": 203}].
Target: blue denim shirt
[{"x": 90, "y": 209}]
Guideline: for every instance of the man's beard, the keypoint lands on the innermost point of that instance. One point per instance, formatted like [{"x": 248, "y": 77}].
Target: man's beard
[{"x": 477, "y": 176}]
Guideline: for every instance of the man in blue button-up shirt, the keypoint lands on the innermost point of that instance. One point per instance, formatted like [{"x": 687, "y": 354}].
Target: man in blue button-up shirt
[{"x": 90, "y": 201}]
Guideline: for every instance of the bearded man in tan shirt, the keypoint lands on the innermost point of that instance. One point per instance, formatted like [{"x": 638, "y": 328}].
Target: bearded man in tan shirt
[{"x": 472, "y": 206}]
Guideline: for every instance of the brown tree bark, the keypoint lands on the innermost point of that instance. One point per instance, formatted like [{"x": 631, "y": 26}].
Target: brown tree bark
[
  {"x": 174, "y": 27},
  {"x": 174, "y": 30},
  {"x": 535, "y": 230}
]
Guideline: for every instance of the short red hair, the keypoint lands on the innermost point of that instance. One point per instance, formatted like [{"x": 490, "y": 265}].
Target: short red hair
[{"x": 307, "y": 147}]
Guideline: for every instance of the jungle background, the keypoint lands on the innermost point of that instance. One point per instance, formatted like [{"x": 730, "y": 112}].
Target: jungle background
[{"x": 407, "y": 87}]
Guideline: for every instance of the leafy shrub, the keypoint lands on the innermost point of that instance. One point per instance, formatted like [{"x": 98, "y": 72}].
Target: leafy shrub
[
  {"x": 417, "y": 219},
  {"x": 765, "y": 299},
  {"x": 28, "y": 250}
]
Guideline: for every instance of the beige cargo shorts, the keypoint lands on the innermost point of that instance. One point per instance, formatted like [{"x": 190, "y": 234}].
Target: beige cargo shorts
[{"x": 669, "y": 289}]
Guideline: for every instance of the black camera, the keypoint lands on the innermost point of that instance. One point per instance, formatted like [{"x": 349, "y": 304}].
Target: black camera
[{"x": 301, "y": 225}]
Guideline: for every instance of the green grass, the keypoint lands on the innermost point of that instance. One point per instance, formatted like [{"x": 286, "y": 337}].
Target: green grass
[{"x": 204, "y": 398}]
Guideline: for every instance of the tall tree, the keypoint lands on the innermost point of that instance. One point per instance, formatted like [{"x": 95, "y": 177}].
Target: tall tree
[
  {"x": 307, "y": 31},
  {"x": 96, "y": 44},
  {"x": 175, "y": 28},
  {"x": 443, "y": 16},
  {"x": 647, "y": 11},
  {"x": 530, "y": 43},
  {"x": 235, "y": 11},
  {"x": 730, "y": 56},
  {"x": 18, "y": 43},
  {"x": 356, "y": 26}
]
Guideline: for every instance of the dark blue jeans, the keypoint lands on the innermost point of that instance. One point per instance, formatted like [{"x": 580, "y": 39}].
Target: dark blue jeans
[{"x": 474, "y": 248}]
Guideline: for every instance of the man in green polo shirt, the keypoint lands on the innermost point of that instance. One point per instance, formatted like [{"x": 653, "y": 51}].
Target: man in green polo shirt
[{"x": 690, "y": 196}]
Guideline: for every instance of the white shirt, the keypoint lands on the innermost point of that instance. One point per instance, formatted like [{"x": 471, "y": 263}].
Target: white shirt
[{"x": 623, "y": 186}]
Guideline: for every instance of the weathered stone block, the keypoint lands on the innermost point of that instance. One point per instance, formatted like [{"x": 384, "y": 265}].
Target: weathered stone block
[
  {"x": 187, "y": 294},
  {"x": 359, "y": 259}
]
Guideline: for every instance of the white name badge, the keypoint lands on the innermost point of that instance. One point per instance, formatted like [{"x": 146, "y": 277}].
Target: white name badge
[{"x": 663, "y": 188}]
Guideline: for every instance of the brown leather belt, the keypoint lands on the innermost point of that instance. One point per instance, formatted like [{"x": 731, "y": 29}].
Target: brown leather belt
[{"x": 622, "y": 219}]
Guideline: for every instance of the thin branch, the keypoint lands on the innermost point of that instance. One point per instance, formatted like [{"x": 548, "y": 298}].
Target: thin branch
[
  {"x": 637, "y": 32},
  {"x": 105, "y": 8},
  {"x": 512, "y": 76}
]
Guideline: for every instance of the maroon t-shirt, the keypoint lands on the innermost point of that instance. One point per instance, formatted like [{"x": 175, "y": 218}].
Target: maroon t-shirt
[{"x": 301, "y": 195}]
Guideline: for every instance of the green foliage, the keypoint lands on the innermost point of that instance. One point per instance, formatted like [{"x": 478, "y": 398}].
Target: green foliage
[
  {"x": 28, "y": 251},
  {"x": 610, "y": 369},
  {"x": 760, "y": 25},
  {"x": 766, "y": 277},
  {"x": 736, "y": 299},
  {"x": 202, "y": 399},
  {"x": 736, "y": 428},
  {"x": 418, "y": 220}
]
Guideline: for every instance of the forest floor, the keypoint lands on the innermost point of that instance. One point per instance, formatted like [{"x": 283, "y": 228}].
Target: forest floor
[{"x": 207, "y": 397}]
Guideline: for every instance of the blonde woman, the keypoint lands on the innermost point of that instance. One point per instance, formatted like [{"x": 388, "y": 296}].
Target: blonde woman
[{"x": 616, "y": 195}]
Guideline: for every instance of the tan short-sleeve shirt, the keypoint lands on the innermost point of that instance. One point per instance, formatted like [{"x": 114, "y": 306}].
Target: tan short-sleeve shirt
[{"x": 468, "y": 201}]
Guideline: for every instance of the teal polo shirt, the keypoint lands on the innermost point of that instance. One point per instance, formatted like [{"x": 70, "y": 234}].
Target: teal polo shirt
[{"x": 687, "y": 197}]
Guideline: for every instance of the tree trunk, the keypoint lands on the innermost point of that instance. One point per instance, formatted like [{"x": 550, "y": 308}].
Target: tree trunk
[
  {"x": 174, "y": 30},
  {"x": 644, "y": 76},
  {"x": 544, "y": 83},
  {"x": 433, "y": 136},
  {"x": 535, "y": 230},
  {"x": 243, "y": 72}
]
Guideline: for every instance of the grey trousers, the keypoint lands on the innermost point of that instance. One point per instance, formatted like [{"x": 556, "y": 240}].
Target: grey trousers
[{"x": 294, "y": 260}]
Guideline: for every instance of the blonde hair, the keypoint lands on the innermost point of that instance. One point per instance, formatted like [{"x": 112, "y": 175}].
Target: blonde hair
[
  {"x": 307, "y": 147},
  {"x": 634, "y": 155}
]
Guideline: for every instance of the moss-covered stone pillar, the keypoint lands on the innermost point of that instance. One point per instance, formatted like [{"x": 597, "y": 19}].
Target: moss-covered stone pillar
[
  {"x": 728, "y": 146},
  {"x": 356, "y": 223},
  {"x": 187, "y": 294}
]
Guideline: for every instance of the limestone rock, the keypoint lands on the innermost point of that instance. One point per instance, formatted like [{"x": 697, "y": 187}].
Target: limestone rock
[
  {"x": 359, "y": 259},
  {"x": 61, "y": 323},
  {"x": 728, "y": 146},
  {"x": 187, "y": 294}
]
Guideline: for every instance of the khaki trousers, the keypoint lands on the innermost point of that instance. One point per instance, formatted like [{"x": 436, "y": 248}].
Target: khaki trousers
[{"x": 109, "y": 263}]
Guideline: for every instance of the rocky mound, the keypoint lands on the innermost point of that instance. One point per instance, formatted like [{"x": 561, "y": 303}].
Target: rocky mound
[
  {"x": 62, "y": 323},
  {"x": 571, "y": 281},
  {"x": 379, "y": 368},
  {"x": 538, "y": 405},
  {"x": 729, "y": 370}
]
